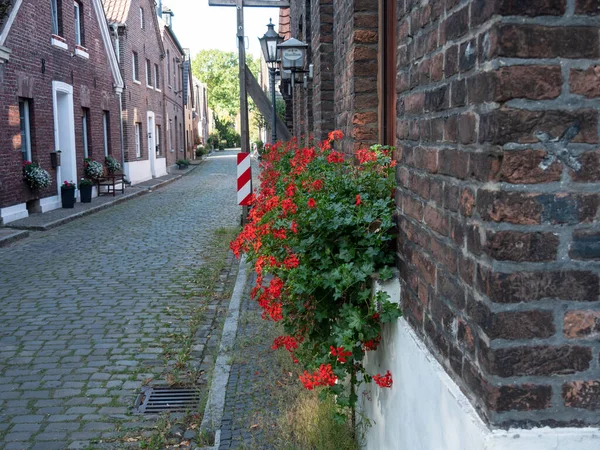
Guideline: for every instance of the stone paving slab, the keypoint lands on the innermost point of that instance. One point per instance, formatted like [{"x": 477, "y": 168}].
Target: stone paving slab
[
  {"x": 87, "y": 310},
  {"x": 60, "y": 216}
]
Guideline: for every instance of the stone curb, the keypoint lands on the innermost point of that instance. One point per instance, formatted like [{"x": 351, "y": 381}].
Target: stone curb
[
  {"x": 213, "y": 412},
  {"x": 16, "y": 235}
]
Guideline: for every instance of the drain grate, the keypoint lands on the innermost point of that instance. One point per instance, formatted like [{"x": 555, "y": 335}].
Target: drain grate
[{"x": 154, "y": 400}]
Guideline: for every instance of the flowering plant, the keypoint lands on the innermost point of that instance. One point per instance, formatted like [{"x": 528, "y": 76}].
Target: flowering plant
[
  {"x": 67, "y": 185},
  {"x": 85, "y": 182},
  {"x": 92, "y": 169},
  {"x": 320, "y": 229},
  {"x": 35, "y": 176},
  {"x": 112, "y": 165}
]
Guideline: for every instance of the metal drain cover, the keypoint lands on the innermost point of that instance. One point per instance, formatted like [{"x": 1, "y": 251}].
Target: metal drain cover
[{"x": 154, "y": 400}]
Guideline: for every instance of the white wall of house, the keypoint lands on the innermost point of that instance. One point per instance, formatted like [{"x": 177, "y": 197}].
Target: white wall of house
[
  {"x": 426, "y": 410},
  {"x": 138, "y": 171}
]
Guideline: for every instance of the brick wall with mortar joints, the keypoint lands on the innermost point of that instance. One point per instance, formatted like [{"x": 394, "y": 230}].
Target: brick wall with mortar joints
[
  {"x": 487, "y": 237},
  {"x": 92, "y": 81},
  {"x": 138, "y": 99},
  {"x": 172, "y": 103}
]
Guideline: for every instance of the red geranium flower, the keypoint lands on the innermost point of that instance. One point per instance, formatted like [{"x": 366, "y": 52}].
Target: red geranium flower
[{"x": 312, "y": 203}]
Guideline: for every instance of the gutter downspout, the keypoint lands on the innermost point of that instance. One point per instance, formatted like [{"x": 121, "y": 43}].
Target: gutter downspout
[
  {"x": 183, "y": 102},
  {"x": 115, "y": 29}
]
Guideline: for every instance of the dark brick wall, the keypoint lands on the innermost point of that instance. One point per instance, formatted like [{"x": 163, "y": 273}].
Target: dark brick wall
[
  {"x": 138, "y": 99},
  {"x": 173, "y": 101},
  {"x": 499, "y": 254},
  {"x": 34, "y": 63}
]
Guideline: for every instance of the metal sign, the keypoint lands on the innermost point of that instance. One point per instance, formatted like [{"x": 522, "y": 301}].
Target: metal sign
[{"x": 253, "y": 3}]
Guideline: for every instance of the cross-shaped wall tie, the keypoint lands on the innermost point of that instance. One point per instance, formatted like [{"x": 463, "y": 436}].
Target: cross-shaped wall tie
[{"x": 557, "y": 148}]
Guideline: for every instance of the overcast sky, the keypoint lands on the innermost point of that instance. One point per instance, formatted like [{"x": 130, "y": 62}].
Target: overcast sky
[{"x": 199, "y": 26}]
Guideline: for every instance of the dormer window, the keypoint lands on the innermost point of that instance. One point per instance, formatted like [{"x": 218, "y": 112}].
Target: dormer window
[{"x": 142, "y": 18}]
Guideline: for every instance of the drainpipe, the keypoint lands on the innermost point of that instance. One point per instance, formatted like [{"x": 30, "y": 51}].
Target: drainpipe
[
  {"x": 183, "y": 99},
  {"x": 119, "y": 95}
]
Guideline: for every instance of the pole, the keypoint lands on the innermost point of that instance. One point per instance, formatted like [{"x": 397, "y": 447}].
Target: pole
[
  {"x": 274, "y": 121},
  {"x": 245, "y": 144}
]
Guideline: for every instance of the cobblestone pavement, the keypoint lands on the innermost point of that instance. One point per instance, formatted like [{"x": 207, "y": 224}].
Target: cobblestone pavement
[{"x": 85, "y": 309}]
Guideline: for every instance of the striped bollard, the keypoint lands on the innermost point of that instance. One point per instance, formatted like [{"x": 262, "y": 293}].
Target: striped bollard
[{"x": 244, "y": 183}]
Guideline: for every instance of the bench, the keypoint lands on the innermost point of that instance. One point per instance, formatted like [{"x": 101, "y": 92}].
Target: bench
[{"x": 110, "y": 181}]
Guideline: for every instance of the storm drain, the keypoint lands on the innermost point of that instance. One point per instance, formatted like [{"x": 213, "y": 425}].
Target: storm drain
[{"x": 155, "y": 400}]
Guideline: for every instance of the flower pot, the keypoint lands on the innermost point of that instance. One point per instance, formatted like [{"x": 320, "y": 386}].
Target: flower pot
[
  {"x": 182, "y": 166},
  {"x": 85, "y": 194},
  {"x": 68, "y": 198}
]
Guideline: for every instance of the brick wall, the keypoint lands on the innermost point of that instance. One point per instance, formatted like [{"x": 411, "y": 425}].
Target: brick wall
[
  {"x": 138, "y": 98},
  {"x": 499, "y": 243},
  {"x": 173, "y": 101},
  {"x": 29, "y": 73}
]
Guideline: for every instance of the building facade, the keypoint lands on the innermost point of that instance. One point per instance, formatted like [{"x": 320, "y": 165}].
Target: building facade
[
  {"x": 493, "y": 108},
  {"x": 59, "y": 91},
  {"x": 138, "y": 43},
  {"x": 201, "y": 111}
]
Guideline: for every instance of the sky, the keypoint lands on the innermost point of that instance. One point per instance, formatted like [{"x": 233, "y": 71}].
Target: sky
[{"x": 199, "y": 26}]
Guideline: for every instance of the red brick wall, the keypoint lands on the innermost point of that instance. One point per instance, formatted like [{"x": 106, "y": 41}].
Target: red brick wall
[
  {"x": 29, "y": 73},
  {"x": 500, "y": 258},
  {"x": 138, "y": 99},
  {"x": 173, "y": 101}
]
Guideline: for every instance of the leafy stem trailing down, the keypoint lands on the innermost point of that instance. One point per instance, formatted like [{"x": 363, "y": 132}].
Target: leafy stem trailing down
[{"x": 319, "y": 231}]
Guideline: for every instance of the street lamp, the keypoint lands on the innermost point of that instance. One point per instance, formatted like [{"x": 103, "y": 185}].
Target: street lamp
[{"x": 268, "y": 44}]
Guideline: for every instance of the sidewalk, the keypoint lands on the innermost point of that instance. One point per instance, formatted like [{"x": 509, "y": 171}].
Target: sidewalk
[{"x": 20, "y": 229}]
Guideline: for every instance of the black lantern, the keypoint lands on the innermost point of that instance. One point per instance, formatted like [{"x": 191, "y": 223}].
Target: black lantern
[{"x": 269, "y": 43}]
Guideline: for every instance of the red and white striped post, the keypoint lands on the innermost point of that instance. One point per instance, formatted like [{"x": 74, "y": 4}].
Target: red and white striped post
[{"x": 244, "y": 182}]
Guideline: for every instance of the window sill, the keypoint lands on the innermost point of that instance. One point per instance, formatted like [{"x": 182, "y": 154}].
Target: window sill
[
  {"x": 82, "y": 52},
  {"x": 58, "y": 41},
  {"x": 149, "y": 86},
  {"x": 137, "y": 82},
  {"x": 157, "y": 90}
]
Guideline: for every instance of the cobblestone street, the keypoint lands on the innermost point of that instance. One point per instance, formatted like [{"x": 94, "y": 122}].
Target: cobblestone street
[{"x": 85, "y": 309}]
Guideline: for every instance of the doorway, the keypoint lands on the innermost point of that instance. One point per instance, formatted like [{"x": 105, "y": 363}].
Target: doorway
[
  {"x": 151, "y": 143},
  {"x": 64, "y": 132}
]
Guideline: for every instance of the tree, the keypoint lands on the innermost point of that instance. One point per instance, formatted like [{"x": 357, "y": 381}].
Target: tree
[{"x": 219, "y": 71}]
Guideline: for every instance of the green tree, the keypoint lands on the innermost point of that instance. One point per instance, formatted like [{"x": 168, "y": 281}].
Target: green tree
[{"x": 219, "y": 71}]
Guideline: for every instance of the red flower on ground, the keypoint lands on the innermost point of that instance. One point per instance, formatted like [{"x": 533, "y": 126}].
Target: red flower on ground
[{"x": 384, "y": 381}]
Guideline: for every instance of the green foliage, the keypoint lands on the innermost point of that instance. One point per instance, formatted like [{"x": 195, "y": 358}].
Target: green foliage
[
  {"x": 322, "y": 227},
  {"x": 219, "y": 71},
  {"x": 182, "y": 162},
  {"x": 227, "y": 133}
]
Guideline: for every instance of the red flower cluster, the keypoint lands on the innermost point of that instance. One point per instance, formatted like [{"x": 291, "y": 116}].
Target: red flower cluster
[
  {"x": 384, "y": 381},
  {"x": 311, "y": 203},
  {"x": 372, "y": 344},
  {"x": 335, "y": 157},
  {"x": 322, "y": 377},
  {"x": 288, "y": 342},
  {"x": 357, "y": 199},
  {"x": 340, "y": 353},
  {"x": 364, "y": 155}
]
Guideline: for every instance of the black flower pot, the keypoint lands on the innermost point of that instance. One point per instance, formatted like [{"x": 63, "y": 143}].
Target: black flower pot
[
  {"x": 68, "y": 198},
  {"x": 85, "y": 194}
]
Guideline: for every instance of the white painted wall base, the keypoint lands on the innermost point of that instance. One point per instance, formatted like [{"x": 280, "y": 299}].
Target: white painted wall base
[
  {"x": 50, "y": 203},
  {"x": 12, "y": 213},
  {"x": 425, "y": 409},
  {"x": 160, "y": 165},
  {"x": 138, "y": 171}
]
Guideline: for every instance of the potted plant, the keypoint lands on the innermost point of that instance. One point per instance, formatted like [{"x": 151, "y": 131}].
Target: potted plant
[
  {"x": 67, "y": 194},
  {"x": 35, "y": 176},
  {"x": 182, "y": 163},
  {"x": 112, "y": 165},
  {"x": 92, "y": 169},
  {"x": 85, "y": 190}
]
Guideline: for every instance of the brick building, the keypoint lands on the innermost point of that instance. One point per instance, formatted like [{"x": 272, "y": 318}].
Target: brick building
[
  {"x": 189, "y": 103},
  {"x": 493, "y": 107},
  {"x": 201, "y": 110},
  {"x": 59, "y": 87},
  {"x": 173, "y": 89},
  {"x": 138, "y": 43}
]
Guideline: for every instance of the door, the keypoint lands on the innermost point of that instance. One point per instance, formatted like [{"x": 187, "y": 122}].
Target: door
[
  {"x": 64, "y": 132},
  {"x": 151, "y": 143}
]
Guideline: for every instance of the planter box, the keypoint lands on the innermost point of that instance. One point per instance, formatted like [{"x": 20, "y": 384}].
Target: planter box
[{"x": 67, "y": 197}]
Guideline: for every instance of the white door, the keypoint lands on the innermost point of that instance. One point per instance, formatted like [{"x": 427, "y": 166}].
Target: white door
[
  {"x": 64, "y": 132},
  {"x": 151, "y": 143}
]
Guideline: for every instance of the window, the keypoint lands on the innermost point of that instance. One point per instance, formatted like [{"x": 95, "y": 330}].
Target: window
[
  {"x": 148, "y": 73},
  {"x": 138, "y": 140},
  {"x": 78, "y": 25},
  {"x": 106, "y": 132},
  {"x": 142, "y": 18},
  {"x": 174, "y": 77},
  {"x": 176, "y": 135},
  {"x": 56, "y": 12},
  {"x": 85, "y": 130},
  {"x": 25, "y": 129},
  {"x": 157, "y": 135},
  {"x": 169, "y": 67},
  {"x": 136, "y": 72},
  {"x": 156, "y": 77}
]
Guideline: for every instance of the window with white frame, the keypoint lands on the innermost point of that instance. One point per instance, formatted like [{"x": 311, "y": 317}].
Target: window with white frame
[
  {"x": 157, "y": 135},
  {"x": 169, "y": 68},
  {"x": 85, "y": 130},
  {"x": 25, "y": 129},
  {"x": 78, "y": 24},
  {"x": 148, "y": 73},
  {"x": 136, "y": 67},
  {"x": 141, "y": 18},
  {"x": 56, "y": 12},
  {"x": 138, "y": 140},
  {"x": 156, "y": 77},
  {"x": 106, "y": 132}
]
